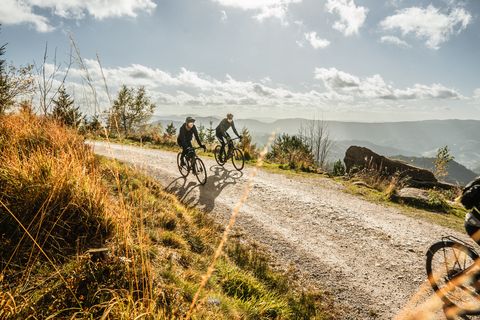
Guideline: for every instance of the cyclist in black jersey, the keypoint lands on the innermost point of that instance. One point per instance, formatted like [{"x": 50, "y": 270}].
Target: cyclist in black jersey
[
  {"x": 222, "y": 128},
  {"x": 185, "y": 136}
]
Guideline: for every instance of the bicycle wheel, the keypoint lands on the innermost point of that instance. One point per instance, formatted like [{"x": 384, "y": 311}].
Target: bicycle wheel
[
  {"x": 200, "y": 171},
  {"x": 220, "y": 156},
  {"x": 184, "y": 170},
  {"x": 238, "y": 159},
  {"x": 451, "y": 273}
]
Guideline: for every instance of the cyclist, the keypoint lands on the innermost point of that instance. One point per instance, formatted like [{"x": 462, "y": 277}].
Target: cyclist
[
  {"x": 221, "y": 131},
  {"x": 471, "y": 200},
  {"x": 185, "y": 136}
]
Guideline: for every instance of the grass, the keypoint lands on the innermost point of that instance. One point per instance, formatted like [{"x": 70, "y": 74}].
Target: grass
[
  {"x": 437, "y": 210},
  {"x": 59, "y": 201}
]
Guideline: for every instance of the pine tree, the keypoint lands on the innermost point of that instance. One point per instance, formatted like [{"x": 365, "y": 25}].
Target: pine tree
[
  {"x": 65, "y": 111},
  {"x": 249, "y": 149},
  {"x": 210, "y": 136},
  {"x": 202, "y": 133},
  {"x": 171, "y": 130},
  {"x": 94, "y": 125}
]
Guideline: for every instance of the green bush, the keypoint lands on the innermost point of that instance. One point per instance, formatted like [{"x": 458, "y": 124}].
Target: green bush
[{"x": 338, "y": 168}]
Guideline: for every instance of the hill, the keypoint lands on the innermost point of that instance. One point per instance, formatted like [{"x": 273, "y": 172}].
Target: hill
[{"x": 457, "y": 173}]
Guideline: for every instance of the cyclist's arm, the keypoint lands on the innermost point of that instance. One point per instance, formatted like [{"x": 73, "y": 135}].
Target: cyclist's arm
[
  {"x": 197, "y": 137},
  {"x": 235, "y": 129}
]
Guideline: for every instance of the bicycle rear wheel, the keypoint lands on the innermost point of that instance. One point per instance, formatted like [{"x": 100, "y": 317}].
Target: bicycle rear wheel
[
  {"x": 220, "y": 156},
  {"x": 452, "y": 274},
  {"x": 238, "y": 159},
  {"x": 184, "y": 170},
  {"x": 200, "y": 171}
]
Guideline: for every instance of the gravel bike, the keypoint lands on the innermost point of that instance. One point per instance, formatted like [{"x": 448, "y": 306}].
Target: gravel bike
[
  {"x": 192, "y": 164},
  {"x": 230, "y": 151},
  {"x": 453, "y": 271}
]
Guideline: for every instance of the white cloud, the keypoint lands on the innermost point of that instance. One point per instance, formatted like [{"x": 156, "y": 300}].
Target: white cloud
[
  {"x": 14, "y": 12},
  {"x": 352, "y": 17},
  {"x": 395, "y": 41},
  {"x": 374, "y": 87},
  {"x": 19, "y": 12},
  {"x": 263, "y": 8},
  {"x": 317, "y": 43},
  {"x": 224, "y": 16},
  {"x": 190, "y": 88},
  {"x": 429, "y": 23},
  {"x": 334, "y": 79},
  {"x": 476, "y": 94}
]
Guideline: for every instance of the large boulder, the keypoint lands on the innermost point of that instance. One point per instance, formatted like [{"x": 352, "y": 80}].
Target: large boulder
[{"x": 358, "y": 158}]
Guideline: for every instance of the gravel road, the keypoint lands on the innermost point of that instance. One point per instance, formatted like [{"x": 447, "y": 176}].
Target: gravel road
[{"x": 370, "y": 257}]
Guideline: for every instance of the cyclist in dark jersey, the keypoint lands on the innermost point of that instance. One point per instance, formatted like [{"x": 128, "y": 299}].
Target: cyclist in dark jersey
[
  {"x": 471, "y": 200},
  {"x": 185, "y": 136},
  {"x": 221, "y": 130}
]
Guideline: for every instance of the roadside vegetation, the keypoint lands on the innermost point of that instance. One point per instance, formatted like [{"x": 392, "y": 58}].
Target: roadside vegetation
[{"x": 87, "y": 237}]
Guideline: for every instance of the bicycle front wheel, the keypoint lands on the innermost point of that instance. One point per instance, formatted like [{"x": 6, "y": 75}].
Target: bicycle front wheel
[
  {"x": 219, "y": 156},
  {"x": 200, "y": 171},
  {"x": 452, "y": 274},
  {"x": 184, "y": 171},
  {"x": 238, "y": 159}
]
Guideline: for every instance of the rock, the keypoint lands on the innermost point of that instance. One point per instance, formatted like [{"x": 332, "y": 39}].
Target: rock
[
  {"x": 362, "y": 184},
  {"x": 412, "y": 194},
  {"x": 361, "y": 158}
]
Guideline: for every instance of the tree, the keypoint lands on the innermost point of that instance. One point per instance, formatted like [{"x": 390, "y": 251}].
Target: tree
[
  {"x": 47, "y": 75},
  {"x": 202, "y": 133},
  {"x": 171, "y": 130},
  {"x": 210, "y": 134},
  {"x": 291, "y": 150},
  {"x": 316, "y": 135},
  {"x": 249, "y": 149},
  {"x": 65, "y": 111},
  {"x": 94, "y": 125},
  {"x": 130, "y": 110},
  {"x": 14, "y": 82},
  {"x": 441, "y": 162},
  {"x": 338, "y": 168}
]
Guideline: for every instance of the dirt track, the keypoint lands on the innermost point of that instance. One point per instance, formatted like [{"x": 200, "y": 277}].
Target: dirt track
[{"x": 370, "y": 257}]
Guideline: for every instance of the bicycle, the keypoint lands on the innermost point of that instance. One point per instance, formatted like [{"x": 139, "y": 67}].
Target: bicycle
[
  {"x": 238, "y": 159},
  {"x": 453, "y": 270},
  {"x": 194, "y": 164}
]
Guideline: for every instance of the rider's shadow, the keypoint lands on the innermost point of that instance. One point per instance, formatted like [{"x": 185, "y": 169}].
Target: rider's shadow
[
  {"x": 216, "y": 183},
  {"x": 208, "y": 193},
  {"x": 181, "y": 189}
]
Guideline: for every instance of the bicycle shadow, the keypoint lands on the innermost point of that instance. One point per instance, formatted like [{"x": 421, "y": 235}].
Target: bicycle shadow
[
  {"x": 192, "y": 194},
  {"x": 216, "y": 183}
]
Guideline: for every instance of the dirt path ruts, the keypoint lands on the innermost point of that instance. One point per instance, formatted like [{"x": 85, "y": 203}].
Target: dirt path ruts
[{"x": 371, "y": 257}]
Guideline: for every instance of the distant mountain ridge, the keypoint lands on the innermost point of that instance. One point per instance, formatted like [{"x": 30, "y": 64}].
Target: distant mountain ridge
[{"x": 457, "y": 173}]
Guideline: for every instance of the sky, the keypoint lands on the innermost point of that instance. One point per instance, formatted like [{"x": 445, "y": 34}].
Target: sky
[{"x": 347, "y": 60}]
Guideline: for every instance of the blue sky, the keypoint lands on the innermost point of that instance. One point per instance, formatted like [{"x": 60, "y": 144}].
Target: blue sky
[{"x": 336, "y": 59}]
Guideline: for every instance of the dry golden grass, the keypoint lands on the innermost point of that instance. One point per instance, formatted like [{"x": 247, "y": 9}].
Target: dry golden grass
[{"x": 58, "y": 201}]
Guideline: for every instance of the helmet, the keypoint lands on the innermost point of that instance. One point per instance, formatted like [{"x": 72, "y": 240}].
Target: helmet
[
  {"x": 189, "y": 120},
  {"x": 229, "y": 116}
]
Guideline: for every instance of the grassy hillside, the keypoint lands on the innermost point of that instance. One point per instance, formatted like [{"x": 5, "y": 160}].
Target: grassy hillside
[{"x": 83, "y": 237}]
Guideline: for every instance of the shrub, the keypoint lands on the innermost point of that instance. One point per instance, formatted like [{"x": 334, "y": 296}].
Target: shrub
[
  {"x": 49, "y": 189},
  {"x": 292, "y": 151},
  {"x": 338, "y": 168}
]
